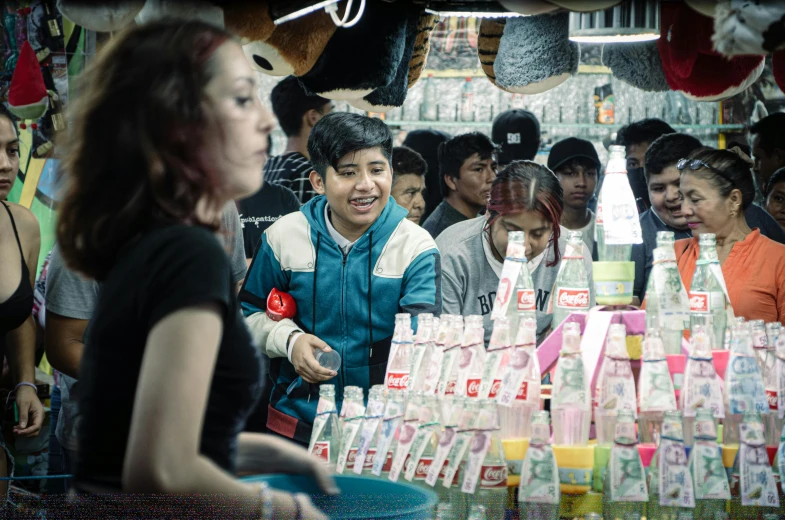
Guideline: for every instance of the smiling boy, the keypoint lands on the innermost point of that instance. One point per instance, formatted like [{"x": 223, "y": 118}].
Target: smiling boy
[{"x": 351, "y": 260}]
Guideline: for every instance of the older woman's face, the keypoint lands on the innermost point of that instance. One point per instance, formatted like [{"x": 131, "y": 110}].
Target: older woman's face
[{"x": 704, "y": 207}]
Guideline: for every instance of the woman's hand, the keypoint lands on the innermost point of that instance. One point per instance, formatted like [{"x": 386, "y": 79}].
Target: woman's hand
[
  {"x": 284, "y": 506},
  {"x": 31, "y": 412},
  {"x": 260, "y": 453}
]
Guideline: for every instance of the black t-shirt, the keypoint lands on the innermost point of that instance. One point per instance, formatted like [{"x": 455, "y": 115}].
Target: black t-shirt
[
  {"x": 261, "y": 210},
  {"x": 169, "y": 269}
]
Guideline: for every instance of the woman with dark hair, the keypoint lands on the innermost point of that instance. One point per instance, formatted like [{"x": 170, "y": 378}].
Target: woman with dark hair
[
  {"x": 717, "y": 186},
  {"x": 20, "y": 241},
  {"x": 527, "y": 197},
  {"x": 169, "y": 373}
]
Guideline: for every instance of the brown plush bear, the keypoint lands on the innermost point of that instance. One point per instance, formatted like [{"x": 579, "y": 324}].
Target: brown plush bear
[
  {"x": 421, "y": 47},
  {"x": 290, "y": 48}
]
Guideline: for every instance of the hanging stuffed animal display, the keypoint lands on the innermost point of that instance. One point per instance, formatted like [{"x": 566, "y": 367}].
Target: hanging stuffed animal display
[
  {"x": 637, "y": 64},
  {"x": 27, "y": 96},
  {"x": 361, "y": 58},
  {"x": 691, "y": 65},
  {"x": 290, "y": 48},
  {"x": 422, "y": 45},
  {"x": 105, "y": 16},
  {"x": 536, "y": 54},
  {"x": 491, "y": 31},
  {"x": 749, "y": 27}
]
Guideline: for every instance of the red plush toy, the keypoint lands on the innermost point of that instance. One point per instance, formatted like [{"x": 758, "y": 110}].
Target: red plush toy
[
  {"x": 27, "y": 95},
  {"x": 280, "y": 305},
  {"x": 690, "y": 63},
  {"x": 778, "y": 69}
]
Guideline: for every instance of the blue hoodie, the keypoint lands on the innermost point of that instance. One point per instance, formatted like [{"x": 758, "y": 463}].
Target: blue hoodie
[{"x": 348, "y": 302}]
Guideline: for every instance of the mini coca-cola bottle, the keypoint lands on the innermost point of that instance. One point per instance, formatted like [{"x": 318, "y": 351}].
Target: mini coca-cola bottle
[
  {"x": 419, "y": 351},
  {"x": 773, "y": 421},
  {"x": 667, "y": 303},
  {"x": 452, "y": 353},
  {"x": 515, "y": 292},
  {"x": 400, "y": 359},
  {"x": 487, "y": 452},
  {"x": 326, "y": 436},
  {"x": 707, "y": 296},
  {"x": 572, "y": 292},
  {"x": 656, "y": 395},
  {"x": 361, "y": 458},
  {"x": 615, "y": 385},
  {"x": 701, "y": 388},
  {"x": 496, "y": 358},
  {"x": 516, "y": 415},
  {"x": 571, "y": 406},
  {"x": 744, "y": 391},
  {"x": 350, "y": 420},
  {"x": 472, "y": 358},
  {"x": 709, "y": 479}
]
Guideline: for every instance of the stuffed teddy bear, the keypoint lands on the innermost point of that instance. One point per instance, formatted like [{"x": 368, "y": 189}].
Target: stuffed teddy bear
[
  {"x": 749, "y": 27},
  {"x": 636, "y": 63},
  {"x": 690, "y": 63},
  {"x": 491, "y": 31},
  {"x": 359, "y": 59},
  {"x": 290, "y": 48},
  {"x": 536, "y": 54},
  {"x": 107, "y": 16},
  {"x": 422, "y": 45}
]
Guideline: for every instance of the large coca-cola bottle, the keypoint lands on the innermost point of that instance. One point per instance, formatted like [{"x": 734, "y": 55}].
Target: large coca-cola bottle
[
  {"x": 326, "y": 436},
  {"x": 519, "y": 394},
  {"x": 472, "y": 358},
  {"x": 515, "y": 292},
  {"x": 615, "y": 385},
  {"x": 572, "y": 289},
  {"x": 399, "y": 363},
  {"x": 486, "y": 468},
  {"x": 707, "y": 294}
]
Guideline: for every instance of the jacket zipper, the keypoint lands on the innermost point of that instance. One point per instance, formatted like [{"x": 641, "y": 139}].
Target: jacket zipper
[{"x": 343, "y": 313}]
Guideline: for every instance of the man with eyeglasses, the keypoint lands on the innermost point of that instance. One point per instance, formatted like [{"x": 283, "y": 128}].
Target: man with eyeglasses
[{"x": 663, "y": 175}]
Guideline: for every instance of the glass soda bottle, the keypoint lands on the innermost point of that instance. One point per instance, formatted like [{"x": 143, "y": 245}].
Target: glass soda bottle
[
  {"x": 666, "y": 296},
  {"x": 702, "y": 387},
  {"x": 419, "y": 351},
  {"x": 752, "y": 486},
  {"x": 744, "y": 390},
  {"x": 394, "y": 410},
  {"x": 571, "y": 406},
  {"x": 709, "y": 479},
  {"x": 772, "y": 382},
  {"x": 361, "y": 458},
  {"x": 326, "y": 436},
  {"x": 424, "y": 445},
  {"x": 519, "y": 393},
  {"x": 625, "y": 483},
  {"x": 572, "y": 290},
  {"x": 350, "y": 420},
  {"x": 486, "y": 454},
  {"x": 615, "y": 385},
  {"x": 515, "y": 293},
  {"x": 400, "y": 359},
  {"x": 472, "y": 358},
  {"x": 451, "y": 357},
  {"x": 656, "y": 395},
  {"x": 467, "y": 101},
  {"x": 617, "y": 224},
  {"x": 539, "y": 490},
  {"x": 671, "y": 492},
  {"x": 430, "y": 100},
  {"x": 497, "y": 358},
  {"x": 707, "y": 297}
]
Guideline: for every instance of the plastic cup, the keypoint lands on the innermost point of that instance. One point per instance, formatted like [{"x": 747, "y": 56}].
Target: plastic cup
[{"x": 331, "y": 360}]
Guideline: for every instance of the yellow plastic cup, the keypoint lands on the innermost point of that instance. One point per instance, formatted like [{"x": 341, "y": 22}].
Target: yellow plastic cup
[
  {"x": 515, "y": 453},
  {"x": 575, "y": 468},
  {"x": 613, "y": 282}
]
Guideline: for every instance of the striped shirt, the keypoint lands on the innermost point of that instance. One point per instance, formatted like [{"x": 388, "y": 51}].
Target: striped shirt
[{"x": 291, "y": 170}]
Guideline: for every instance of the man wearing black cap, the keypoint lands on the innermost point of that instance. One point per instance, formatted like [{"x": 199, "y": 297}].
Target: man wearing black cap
[
  {"x": 517, "y": 133},
  {"x": 577, "y": 165}
]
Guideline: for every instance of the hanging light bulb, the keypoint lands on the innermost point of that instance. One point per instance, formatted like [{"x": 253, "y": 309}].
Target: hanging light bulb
[{"x": 630, "y": 21}]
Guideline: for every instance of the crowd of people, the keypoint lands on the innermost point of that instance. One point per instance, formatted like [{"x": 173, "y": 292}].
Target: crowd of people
[{"x": 175, "y": 227}]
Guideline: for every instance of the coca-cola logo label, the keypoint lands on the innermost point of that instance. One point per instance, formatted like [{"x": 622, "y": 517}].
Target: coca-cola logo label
[
  {"x": 503, "y": 292},
  {"x": 397, "y": 380},
  {"x": 473, "y": 387},
  {"x": 523, "y": 391},
  {"x": 495, "y": 387},
  {"x": 572, "y": 298},
  {"x": 526, "y": 300},
  {"x": 321, "y": 450},
  {"x": 493, "y": 477},
  {"x": 450, "y": 389},
  {"x": 771, "y": 395},
  {"x": 699, "y": 302}
]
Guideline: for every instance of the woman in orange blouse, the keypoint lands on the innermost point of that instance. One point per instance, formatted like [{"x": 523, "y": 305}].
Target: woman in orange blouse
[{"x": 717, "y": 187}]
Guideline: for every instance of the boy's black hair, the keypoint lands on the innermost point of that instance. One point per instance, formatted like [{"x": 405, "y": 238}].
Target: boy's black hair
[
  {"x": 643, "y": 131},
  {"x": 769, "y": 130},
  {"x": 341, "y": 133},
  {"x": 406, "y": 161},
  {"x": 666, "y": 151},
  {"x": 290, "y": 103},
  {"x": 454, "y": 152},
  {"x": 584, "y": 162},
  {"x": 778, "y": 177}
]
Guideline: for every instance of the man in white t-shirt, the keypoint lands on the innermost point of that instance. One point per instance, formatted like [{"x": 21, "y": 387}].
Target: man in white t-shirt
[{"x": 577, "y": 165}]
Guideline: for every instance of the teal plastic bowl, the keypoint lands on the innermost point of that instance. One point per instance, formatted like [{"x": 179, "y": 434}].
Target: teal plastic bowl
[{"x": 360, "y": 497}]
